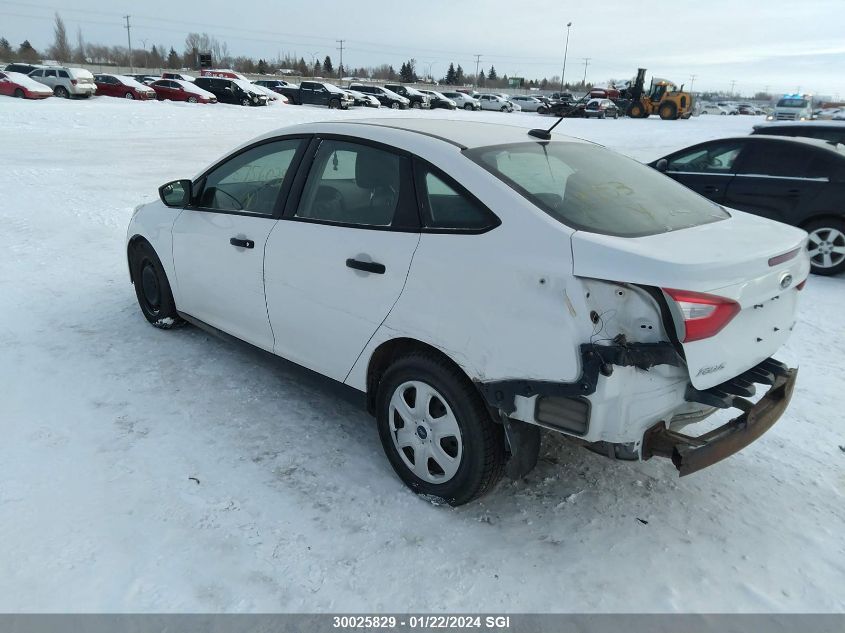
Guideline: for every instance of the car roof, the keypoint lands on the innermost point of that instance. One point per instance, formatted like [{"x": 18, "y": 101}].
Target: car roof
[
  {"x": 800, "y": 140},
  {"x": 465, "y": 134},
  {"x": 800, "y": 124}
]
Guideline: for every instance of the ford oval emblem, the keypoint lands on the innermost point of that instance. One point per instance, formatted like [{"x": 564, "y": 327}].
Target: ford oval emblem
[{"x": 785, "y": 281}]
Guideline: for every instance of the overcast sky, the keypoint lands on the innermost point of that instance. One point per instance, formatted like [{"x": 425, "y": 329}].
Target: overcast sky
[{"x": 785, "y": 45}]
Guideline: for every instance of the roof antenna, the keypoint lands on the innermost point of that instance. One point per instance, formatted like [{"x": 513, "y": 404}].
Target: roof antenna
[{"x": 546, "y": 135}]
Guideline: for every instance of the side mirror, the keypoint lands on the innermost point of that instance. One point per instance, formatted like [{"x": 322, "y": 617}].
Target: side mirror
[
  {"x": 662, "y": 165},
  {"x": 228, "y": 88},
  {"x": 176, "y": 193}
]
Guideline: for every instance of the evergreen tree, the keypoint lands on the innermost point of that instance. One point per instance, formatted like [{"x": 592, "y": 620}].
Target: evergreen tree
[
  {"x": 60, "y": 50},
  {"x": 262, "y": 67},
  {"x": 6, "y": 51},
  {"x": 492, "y": 76},
  {"x": 451, "y": 75},
  {"x": 328, "y": 68},
  {"x": 155, "y": 57},
  {"x": 391, "y": 73},
  {"x": 406, "y": 73},
  {"x": 318, "y": 69},
  {"x": 173, "y": 58},
  {"x": 481, "y": 78},
  {"x": 27, "y": 53},
  {"x": 302, "y": 67},
  {"x": 459, "y": 76}
]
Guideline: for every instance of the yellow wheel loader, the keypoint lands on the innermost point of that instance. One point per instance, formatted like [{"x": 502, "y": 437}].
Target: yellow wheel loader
[{"x": 663, "y": 98}]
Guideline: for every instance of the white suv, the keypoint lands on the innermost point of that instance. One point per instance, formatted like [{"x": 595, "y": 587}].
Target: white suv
[
  {"x": 495, "y": 102},
  {"x": 476, "y": 282},
  {"x": 66, "y": 82}
]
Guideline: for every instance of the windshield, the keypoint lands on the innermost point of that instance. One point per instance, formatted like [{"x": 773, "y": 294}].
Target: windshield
[
  {"x": 792, "y": 103},
  {"x": 593, "y": 189}
]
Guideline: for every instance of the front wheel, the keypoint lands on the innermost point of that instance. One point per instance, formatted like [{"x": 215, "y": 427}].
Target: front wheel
[
  {"x": 826, "y": 245},
  {"x": 19, "y": 93},
  {"x": 334, "y": 104},
  {"x": 152, "y": 288},
  {"x": 416, "y": 105},
  {"x": 128, "y": 95},
  {"x": 394, "y": 105},
  {"x": 245, "y": 102},
  {"x": 436, "y": 431},
  {"x": 192, "y": 99},
  {"x": 541, "y": 110},
  {"x": 468, "y": 106}
]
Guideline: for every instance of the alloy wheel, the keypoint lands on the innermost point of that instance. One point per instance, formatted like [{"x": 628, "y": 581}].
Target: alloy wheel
[{"x": 826, "y": 247}]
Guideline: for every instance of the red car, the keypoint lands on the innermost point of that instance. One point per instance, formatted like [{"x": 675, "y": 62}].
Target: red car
[
  {"x": 21, "y": 86},
  {"x": 181, "y": 90},
  {"x": 123, "y": 87}
]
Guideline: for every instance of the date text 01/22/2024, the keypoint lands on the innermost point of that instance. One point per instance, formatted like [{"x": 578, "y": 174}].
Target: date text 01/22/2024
[{"x": 499, "y": 622}]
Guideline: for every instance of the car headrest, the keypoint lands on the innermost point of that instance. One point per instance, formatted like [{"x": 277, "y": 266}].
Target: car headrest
[{"x": 374, "y": 168}]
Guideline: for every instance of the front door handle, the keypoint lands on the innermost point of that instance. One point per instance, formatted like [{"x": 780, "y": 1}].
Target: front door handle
[
  {"x": 236, "y": 241},
  {"x": 368, "y": 267}
]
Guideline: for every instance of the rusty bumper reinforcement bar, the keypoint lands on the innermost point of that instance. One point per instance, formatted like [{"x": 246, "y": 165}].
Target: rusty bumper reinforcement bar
[{"x": 691, "y": 454}]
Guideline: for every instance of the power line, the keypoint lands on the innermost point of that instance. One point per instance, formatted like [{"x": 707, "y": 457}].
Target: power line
[{"x": 586, "y": 63}]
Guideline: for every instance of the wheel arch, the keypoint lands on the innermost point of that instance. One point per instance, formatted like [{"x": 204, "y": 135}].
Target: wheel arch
[
  {"x": 130, "y": 245},
  {"x": 822, "y": 215},
  {"x": 390, "y": 350}
]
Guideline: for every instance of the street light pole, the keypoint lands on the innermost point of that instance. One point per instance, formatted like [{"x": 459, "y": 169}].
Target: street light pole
[
  {"x": 565, "y": 51},
  {"x": 430, "y": 64}
]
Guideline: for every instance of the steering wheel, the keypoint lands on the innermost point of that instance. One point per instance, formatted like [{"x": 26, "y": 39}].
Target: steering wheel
[{"x": 253, "y": 195}]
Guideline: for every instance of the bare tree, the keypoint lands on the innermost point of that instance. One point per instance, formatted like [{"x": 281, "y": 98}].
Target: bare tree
[
  {"x": 79, "y": 56},
  {"x": 60, "y": 50}
]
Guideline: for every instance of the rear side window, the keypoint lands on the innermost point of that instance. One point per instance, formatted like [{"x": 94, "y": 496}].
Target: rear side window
[
  {"x": 63, "y": 74},
  {"x": 593, "y": 189},
  {"x": 782, "y": 159},
  {"x": 446, "y": 205},
  {"x": 354, "y": 184}
]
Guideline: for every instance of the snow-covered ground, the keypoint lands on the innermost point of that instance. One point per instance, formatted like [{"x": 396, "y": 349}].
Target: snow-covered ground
[{"x": 144, "y": 470}]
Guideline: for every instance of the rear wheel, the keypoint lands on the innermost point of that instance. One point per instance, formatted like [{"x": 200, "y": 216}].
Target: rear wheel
[
  {"x": 668, "y": 111},
  {"x": 128, "y": 95},
  {"x": 61, "y": 91},
  {"x": 436, "y": 431},
  {"x": 394, "y": 105},
  {"x": 152, "y": 288},
  {"x": 19, "y": 93},
  {"x": 826, "y": 245},
  {"x": 192, "y": 99}
]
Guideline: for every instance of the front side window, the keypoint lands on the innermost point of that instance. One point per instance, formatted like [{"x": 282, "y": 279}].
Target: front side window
[
  {"x": 251, "y": 181},
  {"x": 352, "y": 184},
  {"x": 36, "y": 73},
  {"x": 593, "y": 189},
  {"x": 715, "y": 158}
]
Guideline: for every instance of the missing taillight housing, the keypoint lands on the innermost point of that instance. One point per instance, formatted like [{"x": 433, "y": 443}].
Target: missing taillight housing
[
  {"x": 704, "y": 315},
  {"x": 785, "y": 257},
  {"x": 801, "y": 285}
]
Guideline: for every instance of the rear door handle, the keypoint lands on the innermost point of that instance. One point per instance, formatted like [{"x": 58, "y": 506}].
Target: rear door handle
[
  {"x": 369, "y": 267},
  {"x": 236, "y": 241},
  {"x": 793, "y": 193},
  {"x": 711, "y": 189}
]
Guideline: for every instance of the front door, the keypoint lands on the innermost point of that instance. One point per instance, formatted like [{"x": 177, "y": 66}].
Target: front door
[
  {"x": 218, "y": 243},
  {"x": 337, "y": 263},
  {"x": 706, "y": 169}
]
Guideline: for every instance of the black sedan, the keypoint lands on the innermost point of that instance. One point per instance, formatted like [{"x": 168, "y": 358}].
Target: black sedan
[
  {"x": 798, "y": 181},
  {"x": 831, "y": 131}
]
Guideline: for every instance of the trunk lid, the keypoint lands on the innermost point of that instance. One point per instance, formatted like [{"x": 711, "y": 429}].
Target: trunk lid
[{"x": 731, "y": 259}]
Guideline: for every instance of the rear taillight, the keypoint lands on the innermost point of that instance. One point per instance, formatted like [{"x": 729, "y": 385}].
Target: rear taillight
[
  {"x": 801, "y": 285},
  {"x": 704, "y": 315}
]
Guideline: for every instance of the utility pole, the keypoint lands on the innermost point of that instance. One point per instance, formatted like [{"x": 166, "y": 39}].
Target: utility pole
[
  {"x": 129, "y": 38},
  {"x": 340, "y": 67},
  {"x": 477, "y": 62},
  {"x": 586, "y": 63},
  {"x": 733, "y": 83},
  {"x": 565, "y": 51},
  {"x": 146, "y": 59},
  {"x": 691, "y": 82}
]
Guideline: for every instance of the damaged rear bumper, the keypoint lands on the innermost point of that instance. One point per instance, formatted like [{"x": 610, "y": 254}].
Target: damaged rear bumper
[{"x": 691, "y": 454}]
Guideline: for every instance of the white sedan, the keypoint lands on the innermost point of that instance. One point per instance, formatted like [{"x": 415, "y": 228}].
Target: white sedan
[
  {"x": 475, "y": 283},
  {"x": 527, "y": 103},
  {"x": 712, "y": 108},
  {"x": 463, "y": 100}
]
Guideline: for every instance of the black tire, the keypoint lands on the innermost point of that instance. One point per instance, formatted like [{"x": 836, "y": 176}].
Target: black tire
[
  {"x": 825, "y": 226},
  {"x": 192, "y": 99},
  {"x": 637, "y": 111},
  {"x": 602, "y": 115},
  {"x": 61, "y": 92},
  {"x": 19, "y": 94},
  {"x": 542, "y": 110},
  {"x": 334, "y": 104},
  {"x": 616, "y": 114},
  {"x": 483, "y": 453},
  {"x": 416, "y": 105},
  {"x": 468, "y": 106},
  {"x": 152, "y": 288},
  {"x": 245, "y": 102},
  {"x": 668, "y": 111},
  {"x": 128, "y": 95},
  {"x": 395, "y": 105}
]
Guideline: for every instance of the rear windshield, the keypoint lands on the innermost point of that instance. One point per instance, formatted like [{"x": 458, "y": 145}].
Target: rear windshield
[{"x": 593, "y": 189}]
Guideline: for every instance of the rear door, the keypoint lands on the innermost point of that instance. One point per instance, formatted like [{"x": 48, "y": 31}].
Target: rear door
[
  {"x": 337, "y": 263},
  {"x": 708, "y": 168},
  {"x": 218, "y": 243},
  {"x": 776, "y": 178}
]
